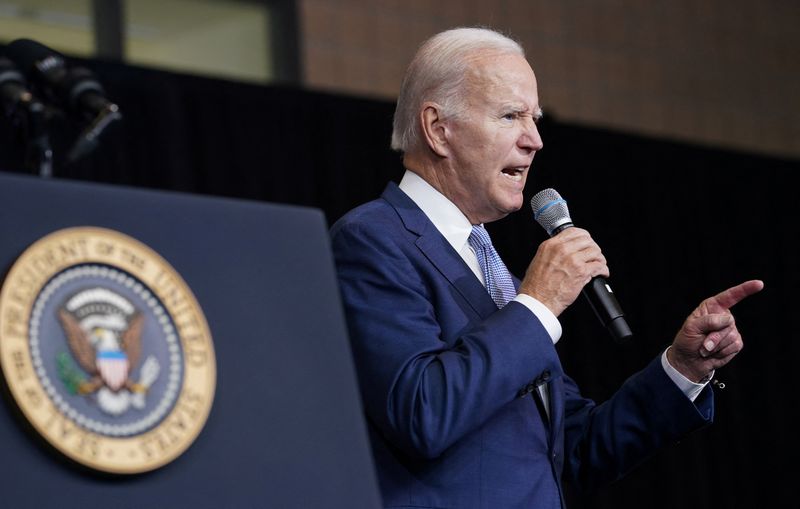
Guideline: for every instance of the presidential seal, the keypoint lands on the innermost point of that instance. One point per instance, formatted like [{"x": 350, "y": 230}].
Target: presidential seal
[{"x": 106, "y": 350}]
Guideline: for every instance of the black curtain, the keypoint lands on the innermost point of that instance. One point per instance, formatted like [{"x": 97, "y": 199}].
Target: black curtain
[{"x": 677, "y": 223}]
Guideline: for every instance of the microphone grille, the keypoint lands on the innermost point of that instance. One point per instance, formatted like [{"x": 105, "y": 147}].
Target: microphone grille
[{"x": 550, "y": 210}]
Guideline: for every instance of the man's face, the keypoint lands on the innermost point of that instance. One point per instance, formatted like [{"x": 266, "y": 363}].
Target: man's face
[{"x": 491, "y": 146}]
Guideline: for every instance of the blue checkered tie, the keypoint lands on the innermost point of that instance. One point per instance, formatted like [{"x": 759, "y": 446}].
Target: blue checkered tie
[{"x": 499, "y": 283}]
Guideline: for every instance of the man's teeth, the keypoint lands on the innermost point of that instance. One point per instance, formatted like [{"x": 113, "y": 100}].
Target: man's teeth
[{"x": 513, "y": 173}]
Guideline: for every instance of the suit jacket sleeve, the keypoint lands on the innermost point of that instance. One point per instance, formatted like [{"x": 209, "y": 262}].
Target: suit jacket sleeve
[{"x": 604, "y": 442}]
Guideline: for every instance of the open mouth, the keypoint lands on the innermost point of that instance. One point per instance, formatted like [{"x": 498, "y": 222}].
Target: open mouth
[{"x": 514, "y": 174}]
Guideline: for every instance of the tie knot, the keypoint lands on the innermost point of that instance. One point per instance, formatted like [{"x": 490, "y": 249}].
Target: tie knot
[{"x": 479, "y": 237}]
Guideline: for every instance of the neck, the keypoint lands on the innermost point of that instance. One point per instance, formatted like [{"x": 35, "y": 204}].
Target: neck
[{"x": 432, "y": 171}]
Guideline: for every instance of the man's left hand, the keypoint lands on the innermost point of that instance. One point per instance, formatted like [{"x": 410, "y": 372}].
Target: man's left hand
[{"x": 709, "y": 338}]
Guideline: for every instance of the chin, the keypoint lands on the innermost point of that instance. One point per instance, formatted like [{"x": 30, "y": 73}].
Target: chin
[
  {"x": 500, "y": 214},
  {"x": 515, "y": 204}
]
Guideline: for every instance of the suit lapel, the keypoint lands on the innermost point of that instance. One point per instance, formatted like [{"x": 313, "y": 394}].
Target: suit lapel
[{"x": 439, "y": 252}]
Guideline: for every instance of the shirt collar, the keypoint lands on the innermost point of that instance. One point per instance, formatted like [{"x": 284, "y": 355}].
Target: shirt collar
[{"x": 444, "y": 214}]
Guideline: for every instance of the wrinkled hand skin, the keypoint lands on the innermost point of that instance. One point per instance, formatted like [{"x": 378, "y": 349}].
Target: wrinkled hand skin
[
  {"x": 562, "y": 266},
  {"x": 709, "y": 338}
]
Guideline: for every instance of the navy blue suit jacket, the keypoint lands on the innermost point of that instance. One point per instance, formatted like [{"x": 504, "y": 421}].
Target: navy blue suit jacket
[{"x": 448, "y": 380}]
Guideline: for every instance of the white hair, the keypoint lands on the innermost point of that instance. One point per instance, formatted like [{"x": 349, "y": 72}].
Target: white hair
[{"x": 438, "y": 73}]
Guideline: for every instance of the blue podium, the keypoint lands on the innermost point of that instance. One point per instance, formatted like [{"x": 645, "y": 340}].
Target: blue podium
[{"x": 257, "y": 341}]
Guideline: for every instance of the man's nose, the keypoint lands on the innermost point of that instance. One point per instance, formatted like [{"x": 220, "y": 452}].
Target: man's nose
[{"x": 530, "y": 138}]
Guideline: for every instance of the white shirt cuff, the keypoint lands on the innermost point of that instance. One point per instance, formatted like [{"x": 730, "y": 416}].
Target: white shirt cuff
[
  {"x": 691, "y": 389},
  {"x": 545, "y": 316}
]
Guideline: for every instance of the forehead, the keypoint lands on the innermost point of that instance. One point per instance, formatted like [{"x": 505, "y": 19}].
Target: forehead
[{"x": 504, "y": 77}]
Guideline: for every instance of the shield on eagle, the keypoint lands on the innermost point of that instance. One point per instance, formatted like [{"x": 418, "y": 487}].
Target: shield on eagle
[{"x": 113, "y": 367}]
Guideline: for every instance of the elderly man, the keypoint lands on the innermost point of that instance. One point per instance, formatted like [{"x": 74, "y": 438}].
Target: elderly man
[{"x": 466, "y": 401}]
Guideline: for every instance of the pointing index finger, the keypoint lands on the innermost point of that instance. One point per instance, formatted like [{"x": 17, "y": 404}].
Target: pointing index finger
[{"x": 732, "y": 296}]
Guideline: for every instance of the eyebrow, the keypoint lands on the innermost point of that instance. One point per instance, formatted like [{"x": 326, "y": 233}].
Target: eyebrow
[
  {"x": 536, "y": 115},
  {"x": 519, "y": 107}
]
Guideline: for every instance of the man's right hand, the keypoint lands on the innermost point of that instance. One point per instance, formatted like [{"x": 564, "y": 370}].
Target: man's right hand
[{"x": 562, "y": 266}]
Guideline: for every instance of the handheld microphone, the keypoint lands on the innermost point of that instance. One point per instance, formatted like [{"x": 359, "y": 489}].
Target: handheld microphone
[{"x": 551, "y": 212}]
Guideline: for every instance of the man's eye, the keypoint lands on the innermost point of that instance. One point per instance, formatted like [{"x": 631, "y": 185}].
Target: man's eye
[{"x": 509, "y": 116}]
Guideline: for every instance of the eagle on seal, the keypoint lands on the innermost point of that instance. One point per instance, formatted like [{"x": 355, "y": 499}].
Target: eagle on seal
[{"x": 106, "y": 355}]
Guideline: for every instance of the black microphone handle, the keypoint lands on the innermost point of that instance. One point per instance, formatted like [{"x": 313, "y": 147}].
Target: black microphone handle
[
  {"x": 602, "y": 300},
  {"x": 600, "y": 296}
]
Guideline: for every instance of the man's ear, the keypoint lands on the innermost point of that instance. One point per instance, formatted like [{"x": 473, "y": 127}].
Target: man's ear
[{"x": 434, "y": 128}]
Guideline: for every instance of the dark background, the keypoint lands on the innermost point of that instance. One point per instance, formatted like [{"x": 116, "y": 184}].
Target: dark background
[{"x": 677, "y": 223}]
